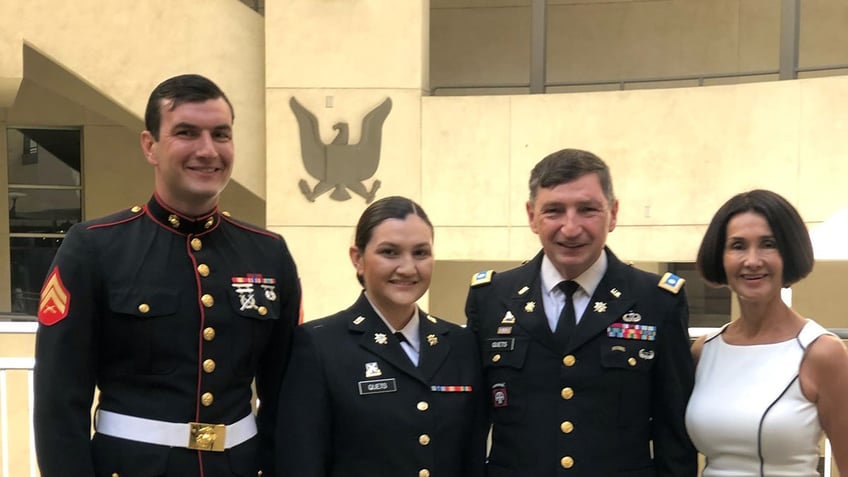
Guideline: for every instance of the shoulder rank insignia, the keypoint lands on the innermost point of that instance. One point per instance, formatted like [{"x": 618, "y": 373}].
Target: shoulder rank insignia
[
  {"x": 671, "y": 282},
  {"x": 55, "y": 300},
  {"x": 481, "y": 278}
]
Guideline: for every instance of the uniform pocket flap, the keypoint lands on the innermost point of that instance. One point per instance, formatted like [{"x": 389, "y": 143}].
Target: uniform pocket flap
[
  {"x": 505, "y": 352},
  {"x": 638, "y": 356},
  {"x": 144, "y": 302}
]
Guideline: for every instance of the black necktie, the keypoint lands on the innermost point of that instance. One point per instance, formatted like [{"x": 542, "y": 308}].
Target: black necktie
[
  {"x": 401, "y": 337},
  {"x": 567, "y": 318}
]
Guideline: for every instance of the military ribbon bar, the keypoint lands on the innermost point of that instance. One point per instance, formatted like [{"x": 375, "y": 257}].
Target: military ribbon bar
[
  {"x": 630, "y": 331},
  {"x": 451, "y": 389},
  {"x": 254, "y": 278}
]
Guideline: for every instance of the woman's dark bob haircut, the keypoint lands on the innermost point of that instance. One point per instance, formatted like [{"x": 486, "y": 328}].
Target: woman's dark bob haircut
[
  {"x": 393, "y": 207},
  {"x": 790, "y": 233}
]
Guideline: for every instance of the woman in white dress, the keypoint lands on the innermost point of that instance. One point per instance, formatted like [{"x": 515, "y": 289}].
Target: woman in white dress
[{"x": 770, "y": 382}]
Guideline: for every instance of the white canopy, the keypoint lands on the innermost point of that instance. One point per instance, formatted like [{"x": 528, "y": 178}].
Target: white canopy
[{"x": 830, "y": 238}]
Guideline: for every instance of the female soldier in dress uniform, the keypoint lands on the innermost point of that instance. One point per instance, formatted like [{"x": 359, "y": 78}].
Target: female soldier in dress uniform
[{"x": 382, "y": 388}]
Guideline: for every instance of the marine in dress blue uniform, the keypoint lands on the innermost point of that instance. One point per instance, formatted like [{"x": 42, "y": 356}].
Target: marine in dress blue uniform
[
  {"x": 172, "y": 310},
  {"x": 594, "y": 406},
  {"x": 171, "y": 318},
  {"x": 363, "y": 409}
]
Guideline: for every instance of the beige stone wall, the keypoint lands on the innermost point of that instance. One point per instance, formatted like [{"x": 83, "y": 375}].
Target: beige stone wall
[{"x": 340, "y": 60}]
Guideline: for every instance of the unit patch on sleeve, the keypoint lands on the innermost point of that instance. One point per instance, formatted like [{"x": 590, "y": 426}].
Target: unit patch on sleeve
[{"x": 55, "y": 300}]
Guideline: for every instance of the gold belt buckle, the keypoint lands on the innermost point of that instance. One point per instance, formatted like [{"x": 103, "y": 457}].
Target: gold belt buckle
[{"x": 207, "y": 437}]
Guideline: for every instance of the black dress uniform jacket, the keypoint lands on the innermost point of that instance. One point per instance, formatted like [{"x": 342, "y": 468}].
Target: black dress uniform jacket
[
  {"x": 589, "y": 406},
  {"x": 171, "y": 318},
  {"x": 356, "y": 405}
]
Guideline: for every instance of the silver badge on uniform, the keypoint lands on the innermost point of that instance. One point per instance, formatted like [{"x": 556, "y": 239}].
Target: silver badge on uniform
[
  {"x": 247, "y": 300},
  {"x": 270, "y": 293},
  {"x": 646, "y": 353},
  {"x": 631, "y": 317},
  {"x": 372, "y": 370}
]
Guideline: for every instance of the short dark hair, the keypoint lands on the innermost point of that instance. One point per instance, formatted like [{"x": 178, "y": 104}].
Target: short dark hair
[
  {"x": 567, "y": 165},
  {"x": 790, "y": 233},
  {"x": 393, "y": 207},
  {"x": 188, "y": 88}
]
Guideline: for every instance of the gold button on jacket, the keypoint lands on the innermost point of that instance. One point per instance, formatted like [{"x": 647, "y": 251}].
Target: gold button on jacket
[
  {"x": 209, "y": 365},
  {"x": 207, "y": 399},
  {"x": 203, "y": 270}
]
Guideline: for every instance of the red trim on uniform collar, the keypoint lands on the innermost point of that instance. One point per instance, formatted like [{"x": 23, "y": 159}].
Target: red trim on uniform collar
[{"x": 178, "y": 222}]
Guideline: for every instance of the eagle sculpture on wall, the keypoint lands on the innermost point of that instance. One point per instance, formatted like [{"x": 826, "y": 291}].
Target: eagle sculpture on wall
[{"x": 339, "y": 165}]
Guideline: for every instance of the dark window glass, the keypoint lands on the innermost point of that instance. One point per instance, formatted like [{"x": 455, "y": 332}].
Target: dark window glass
[
  {"x": 43, "y": 211},
  {"x": 709, "y": 306},
  {"x": 44, "y": 156},
  {"x": 45, "y": 200},
  {"x": 30, "y": 260}
]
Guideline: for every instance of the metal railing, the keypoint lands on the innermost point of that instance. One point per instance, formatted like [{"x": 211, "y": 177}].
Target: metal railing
[{"x": 633, "y": 83}]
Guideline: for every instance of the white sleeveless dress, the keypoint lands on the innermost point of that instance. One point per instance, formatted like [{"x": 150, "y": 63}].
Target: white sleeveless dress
[{"x": 747, "y": 413}]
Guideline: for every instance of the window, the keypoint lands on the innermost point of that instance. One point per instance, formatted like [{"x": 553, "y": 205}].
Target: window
[
  {"x": 709, "y": 306},
  {"x": 45, "y": 200}
]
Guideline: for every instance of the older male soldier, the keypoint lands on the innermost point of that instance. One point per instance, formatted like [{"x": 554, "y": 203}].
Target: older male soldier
[
  {"x": 171, "y": 309},
  {"x": 586, "y": 358}
]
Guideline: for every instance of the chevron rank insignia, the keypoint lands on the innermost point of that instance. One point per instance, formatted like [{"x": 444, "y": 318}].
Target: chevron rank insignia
[
  {"x": 55, "y": 300},
  {"x": 671, "y": 282},
  {"x": 481, "y": 278}
]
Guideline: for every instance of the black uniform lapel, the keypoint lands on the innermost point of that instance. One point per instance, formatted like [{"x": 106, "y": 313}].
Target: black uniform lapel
[
  {"x": 435, "y": 346},
  {"x": 610, "y": 301},
  {"x": 377, "y": 338},
  {"x": 526, "y": 305}
]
